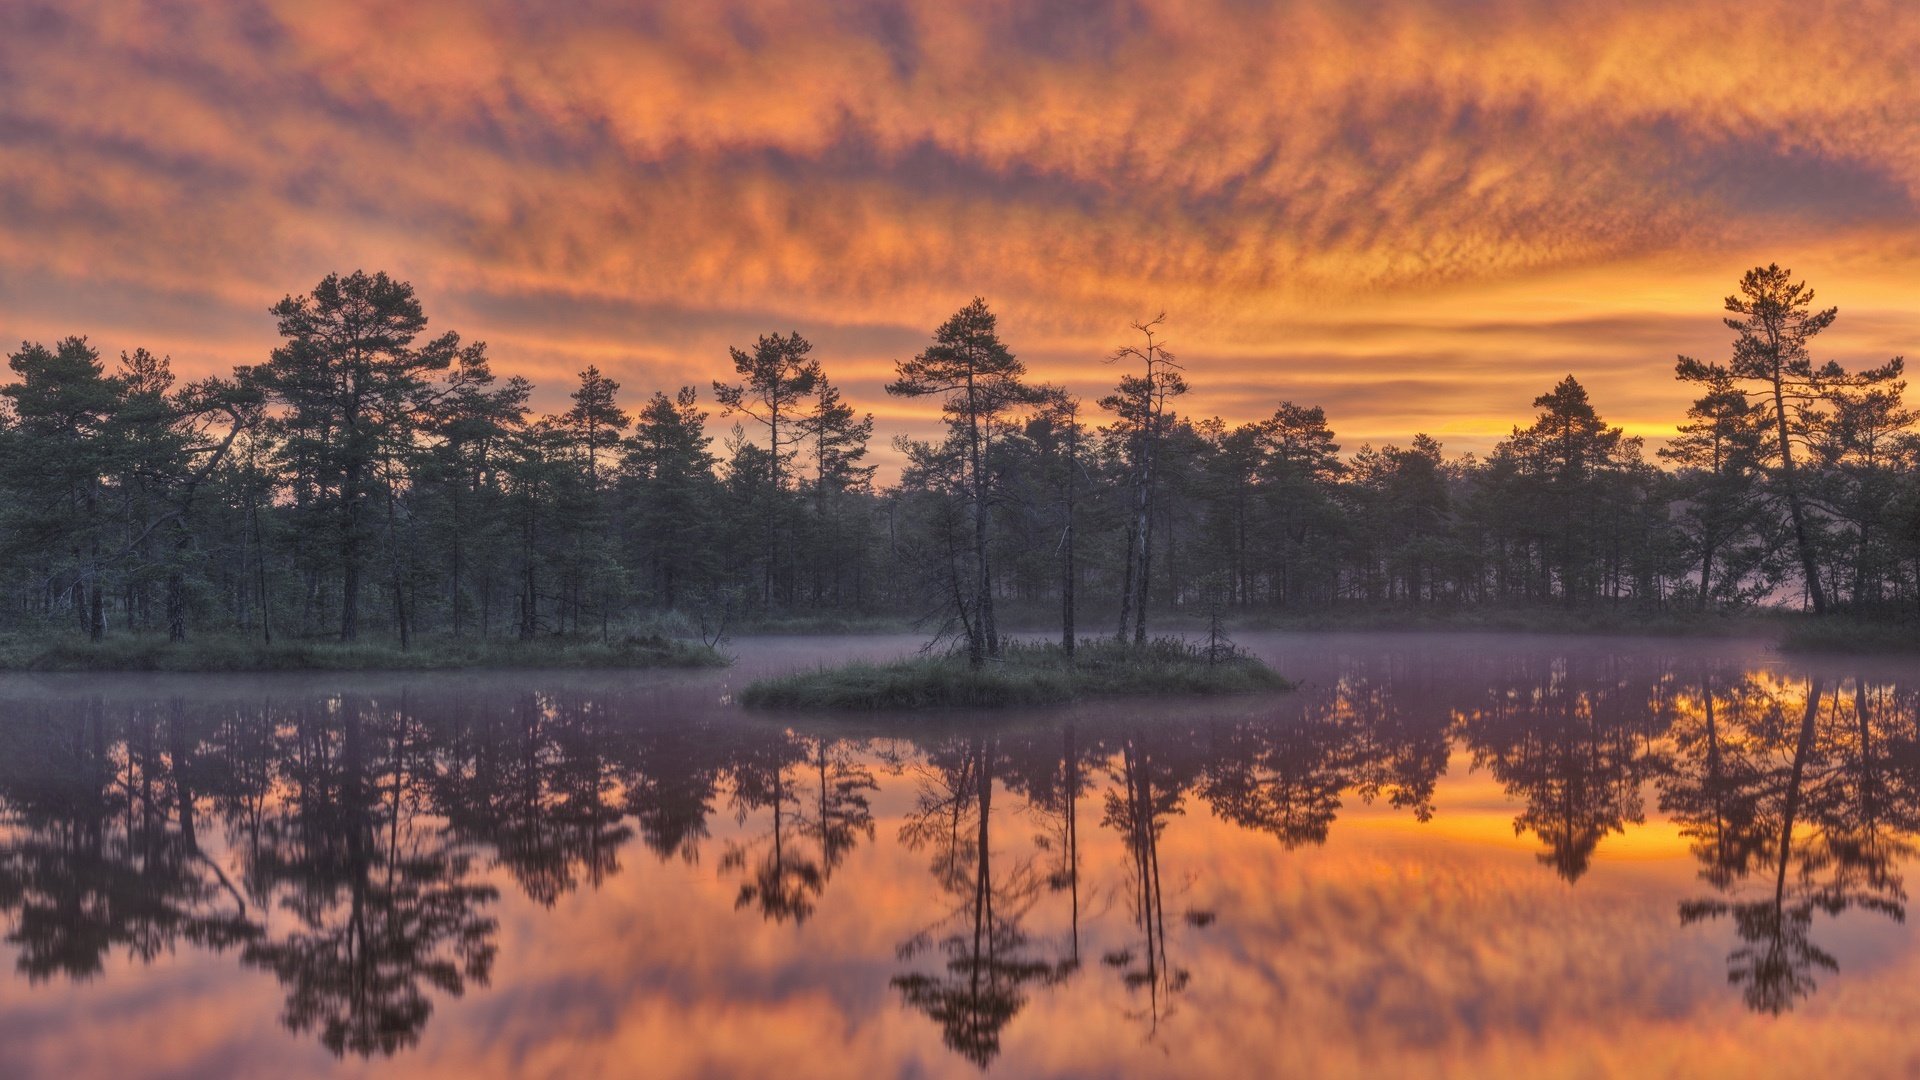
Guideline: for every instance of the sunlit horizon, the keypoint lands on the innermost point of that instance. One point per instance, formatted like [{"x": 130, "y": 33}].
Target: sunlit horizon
[{"x": 1418, "y": 217}]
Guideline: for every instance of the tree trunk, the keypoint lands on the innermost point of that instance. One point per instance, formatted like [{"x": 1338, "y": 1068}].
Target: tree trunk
[
  {"x": 1802, "y": 750},
  {"x": 1790, "y": 483},
  {"x": 96, "y": 608},
  {"x": 350, "y": 553},
  {"x": 1067, "y": 572},
  {"x": 260, "y": 566},
  {"x": 454, "y": 587},
  {"x": 400, "y": 613},
  {"x": 982, "y": 639},
  {"x": 176, "y": 607},
  {"x": 1147, "y": 556},
  {"x": 529, "y": 598},
  {"x": 1706, "y": 571}
]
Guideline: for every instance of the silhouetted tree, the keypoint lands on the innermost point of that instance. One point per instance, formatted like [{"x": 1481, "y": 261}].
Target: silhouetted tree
[
  {"x": 671, "y": 495},
  {"x": 1142, "y": 421},
  {"x": 1719, "y": 450},
  {"x": 1771, "y": 359},
  {"x": 776, "y": 377},
  {"x": 978, "y": 381},
  {"x": 352, "y": 390}
]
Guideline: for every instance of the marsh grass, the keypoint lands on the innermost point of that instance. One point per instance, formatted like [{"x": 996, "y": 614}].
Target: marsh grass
[
  {"x": 154, "y": 653},
  {"x": 1028, "y": 674}
]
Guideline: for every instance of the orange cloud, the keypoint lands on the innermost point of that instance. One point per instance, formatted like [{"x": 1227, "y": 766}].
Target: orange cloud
[{"x": 1326, "y": 197}]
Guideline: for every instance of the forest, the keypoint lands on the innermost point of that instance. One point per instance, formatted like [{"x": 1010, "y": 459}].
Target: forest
[{"x": 371, "y": 480}]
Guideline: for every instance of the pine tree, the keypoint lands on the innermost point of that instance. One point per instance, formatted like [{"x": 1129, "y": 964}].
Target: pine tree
[
  {"x": 673, "y": 495},
  {"x": 979, "y": 381},
  {"x": 62, "y": 448},
  {"x": 596, "y": 419},
  {"x": 836, "y": 438},
  {"x": 1770, "y": 355},
  {"x": 1719, "y": 450},
  {"x": 473, "y": 430},
  {"x": 351, "y": 387},
  {"x": 776, "y": 377},
  {"x": 1300, "y": 472},
  {"x": 1142, "y": 421}
]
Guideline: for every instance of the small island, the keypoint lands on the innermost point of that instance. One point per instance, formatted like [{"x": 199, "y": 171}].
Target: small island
[{"x": 1025, "y": 673}]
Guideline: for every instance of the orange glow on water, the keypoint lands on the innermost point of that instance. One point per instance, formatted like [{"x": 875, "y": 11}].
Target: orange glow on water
[{"x": 651, "y": 872}]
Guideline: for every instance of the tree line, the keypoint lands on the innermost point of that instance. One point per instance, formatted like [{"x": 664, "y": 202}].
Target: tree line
[{"x": 369, "y": 477}]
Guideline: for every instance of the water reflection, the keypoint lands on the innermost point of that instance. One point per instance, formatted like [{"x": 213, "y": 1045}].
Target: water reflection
[
  {"x": 987, "y": 958},
  {"x": 1572, "y": 741},
  {"x": 1802, "y": 803},
  {"x": 1150, "y": 776},
  {"x": 354, "y": 846}
]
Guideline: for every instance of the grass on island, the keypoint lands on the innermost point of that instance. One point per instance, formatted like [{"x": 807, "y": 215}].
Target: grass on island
[
  {"x": 1027, "y": 674},
  {"x": 227, "y": 653}
]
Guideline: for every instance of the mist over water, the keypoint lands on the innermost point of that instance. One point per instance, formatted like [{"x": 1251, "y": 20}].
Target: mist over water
[{"x": 1455, "y": 854}]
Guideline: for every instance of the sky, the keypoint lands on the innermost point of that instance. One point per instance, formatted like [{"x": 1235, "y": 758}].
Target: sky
[{"x": 1418, "y": 214}]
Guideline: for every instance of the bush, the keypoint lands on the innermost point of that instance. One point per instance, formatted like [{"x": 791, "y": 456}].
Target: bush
[{"x": 1027, "y": 674}]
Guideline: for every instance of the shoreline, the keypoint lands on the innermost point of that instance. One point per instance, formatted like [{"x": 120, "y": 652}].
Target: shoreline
[
  {"x": 146, "y": 654},
  {"x": 1789, "y": 632}
]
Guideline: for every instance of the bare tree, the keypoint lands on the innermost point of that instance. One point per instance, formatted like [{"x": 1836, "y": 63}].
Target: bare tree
[{"x": 1143, "y": 418}]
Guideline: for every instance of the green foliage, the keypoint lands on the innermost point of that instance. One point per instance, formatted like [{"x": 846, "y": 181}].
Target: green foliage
[
  {"x": 353, "y": 393},
  {"x": 369, "y": 479},
  {"x": 1026, "y": 674}
]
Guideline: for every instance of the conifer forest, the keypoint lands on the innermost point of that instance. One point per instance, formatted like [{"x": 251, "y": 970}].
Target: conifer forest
[{"x": 379, "y": 475}]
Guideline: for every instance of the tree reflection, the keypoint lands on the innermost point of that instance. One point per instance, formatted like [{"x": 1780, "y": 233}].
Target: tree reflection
[
  {"x": 1150, "y": 778},
  {"x": 535, "y": 783},
  {"x": 1283, "y": 777},
  {"x": 1051, "y": 773},
  {"x": 384, "y": 905},
  {"x": 671, "y": 778},
  {"x": 1398, "y": 727},
  {"x": 1377, "y": 734},
  {"x": 842, "y": 814},
  {"x": 1709, "y": 787},
  {"x": 989, "y": 957},
  {"x": 350, "y": 845},
  {"x": 782, "y": 877},
  {"x": 1803, "y": 807},
  {"x": 100, "y": 848},
  {"x": 1574, "y": 747}
]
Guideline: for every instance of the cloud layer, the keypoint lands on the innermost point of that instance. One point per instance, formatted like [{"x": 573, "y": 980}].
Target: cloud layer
[{"x": 1419, "y": 214}]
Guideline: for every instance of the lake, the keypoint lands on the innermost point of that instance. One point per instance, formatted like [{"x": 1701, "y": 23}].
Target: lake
[{"x": 1443, "y": 855}]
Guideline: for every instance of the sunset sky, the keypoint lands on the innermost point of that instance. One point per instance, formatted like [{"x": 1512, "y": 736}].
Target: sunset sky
[{"x": 1417, "y": 214}]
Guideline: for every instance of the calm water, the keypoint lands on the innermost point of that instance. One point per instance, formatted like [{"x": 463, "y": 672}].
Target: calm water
[{"x": 1470, "y": 855}]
